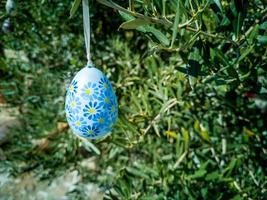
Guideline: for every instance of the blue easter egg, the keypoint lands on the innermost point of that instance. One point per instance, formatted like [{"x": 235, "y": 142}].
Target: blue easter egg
[{"x": 91, "y": 104}]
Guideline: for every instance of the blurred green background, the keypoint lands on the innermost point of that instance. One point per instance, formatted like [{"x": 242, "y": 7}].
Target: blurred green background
[{"x": 190, "y": 77}]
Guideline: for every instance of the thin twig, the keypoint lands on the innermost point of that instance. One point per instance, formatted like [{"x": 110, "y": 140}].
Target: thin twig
[
  {"x": 215, "y": 36},
  {"x": 178, "y": 162},
  {"x": 159, "y": 115},
  {"x": 162, "y": 21}
]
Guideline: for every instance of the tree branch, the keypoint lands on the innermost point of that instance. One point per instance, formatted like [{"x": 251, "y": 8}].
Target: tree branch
[
  {"x": 113, "y": 5},
  {"x": 164, "y": 21}
]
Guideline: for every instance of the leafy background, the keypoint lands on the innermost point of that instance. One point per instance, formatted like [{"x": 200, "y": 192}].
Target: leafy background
[{"x": 190, "y": 77}]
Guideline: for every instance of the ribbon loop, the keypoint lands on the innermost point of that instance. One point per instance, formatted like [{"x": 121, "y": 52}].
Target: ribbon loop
[{"x": 86, "y": 28}]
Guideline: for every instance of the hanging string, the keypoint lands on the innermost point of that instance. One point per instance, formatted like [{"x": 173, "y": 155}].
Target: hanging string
[{"x": 86, "y": 28}]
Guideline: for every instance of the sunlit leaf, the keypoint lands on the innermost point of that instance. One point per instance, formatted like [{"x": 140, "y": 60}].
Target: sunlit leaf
[
  {"x": 74, "y": 7},
  {"x": 133, "y": 24}
]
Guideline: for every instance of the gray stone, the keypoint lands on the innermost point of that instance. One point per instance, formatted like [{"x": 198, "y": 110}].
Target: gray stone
[{"x": 8, "y": 120}]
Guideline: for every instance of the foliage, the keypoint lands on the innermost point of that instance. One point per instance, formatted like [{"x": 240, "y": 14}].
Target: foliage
[{"x": 190, "y": 77}]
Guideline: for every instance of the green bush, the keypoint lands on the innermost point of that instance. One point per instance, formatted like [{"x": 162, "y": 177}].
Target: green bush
[{"x": 190, "y": 77}]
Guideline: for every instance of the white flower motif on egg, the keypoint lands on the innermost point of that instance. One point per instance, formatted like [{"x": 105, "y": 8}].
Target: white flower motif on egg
[{"x": 91, "y": 105}]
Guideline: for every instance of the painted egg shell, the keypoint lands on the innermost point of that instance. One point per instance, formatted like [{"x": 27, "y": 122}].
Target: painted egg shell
[{"x": 91, "y": 105}]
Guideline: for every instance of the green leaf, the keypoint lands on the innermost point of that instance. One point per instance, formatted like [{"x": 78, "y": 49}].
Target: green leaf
[
  {"x": 262, "y": 39},
  {"x": 123, "y": 188},
  {"x": 203, "y": 133},
  {"x": 198, "y": 174},
  {"x": 233, "y": 8},
  {"x": 90, "y": 146},
  {"x": 237, "y": 197},
  {"x": 137, "y": 172},
  {"x": 74, "y": 7},
  {"x": 229, "y": 68},
  {"x": 186, "y": 137},
  {"x": 128, "y": 124},
  {"x": 126, "y": 16},
  {"x": 219, "y": 4},
  {"x": 213, "y": 176},
  {"x": 263, "y": 26},
  {"x": 159, "y": 35},
  {"x": 237, "y": 24},
  {"x": 254, "y": 33},
  {"x": 148, "y": 29},
  {"x": 133, "y": 24},
  {"x": 210, "y": 20},
  {"x": 192, "y": 41},
  {"x": 246, "y": 52},
  {"x": 194, "y": 66},
  {"x": 222, "y": 58},
  {"x": 176, "y": 23},
  {"x": 230, "y": 167},
  {"x": 149, "y": 171},
  {"x": 3, "y": 65},
  {"x": 225, "y": 21}
]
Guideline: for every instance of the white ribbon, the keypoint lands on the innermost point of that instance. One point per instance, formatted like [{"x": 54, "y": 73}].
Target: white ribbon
[{"x": 86, "y": 28}]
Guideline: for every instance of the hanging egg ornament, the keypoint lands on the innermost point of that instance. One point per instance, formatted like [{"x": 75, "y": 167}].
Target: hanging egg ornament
[{"x": 91, "y": 104}]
